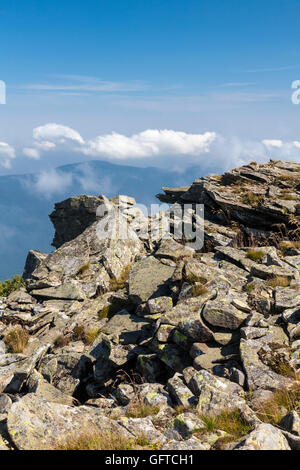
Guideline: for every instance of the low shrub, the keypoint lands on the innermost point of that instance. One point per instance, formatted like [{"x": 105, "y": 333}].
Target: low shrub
[{"x": 11, "y": 285}]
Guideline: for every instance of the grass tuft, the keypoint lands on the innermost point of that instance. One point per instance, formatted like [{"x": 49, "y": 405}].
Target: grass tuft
[
  {"x": 255, "y": 255},
  {"x": 198, "y": 290},
  {"x": 279, "y": 281},
  {"x": 83, "y": 269},
  {"x": 91, "y": 335},
  {"x": 282, "y": 402},
  {"x": 86, "y": 336},
  {"x": 192, "y": 279},
  {"x": 96, "y": 440},
  {"x": 16, "y": 340},
  {"x": 120, "y": 283},
  {"x": 249, "y": 288},
  {"x": 232, "y": 422},
  {"x": 251, "y": 199},
  {"x": 141, "y": 410}
]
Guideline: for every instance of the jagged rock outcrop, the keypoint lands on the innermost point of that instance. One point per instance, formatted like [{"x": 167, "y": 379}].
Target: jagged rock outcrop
[
  {"x": 147, "y": 321},
  {"x": 72, "y": 216},
  {"x": 262, "y": 198}
]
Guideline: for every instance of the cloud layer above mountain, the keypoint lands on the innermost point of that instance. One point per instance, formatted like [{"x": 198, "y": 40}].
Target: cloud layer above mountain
[
  {"x": 155, "y": 147},
  {"x": 115, "y": 146}
]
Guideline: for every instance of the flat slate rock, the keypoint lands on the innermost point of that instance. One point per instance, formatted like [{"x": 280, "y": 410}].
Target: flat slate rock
[{"x": 147, "y": 278}]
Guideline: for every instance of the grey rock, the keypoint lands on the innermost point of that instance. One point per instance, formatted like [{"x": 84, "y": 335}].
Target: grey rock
[
  {"x": 35, "y": 424},
  {"x": 223, "y": 314},
  {"x": 180, "y": 392},
  {"x": 147, "y": 279},
  {"x": 5, "y": 403},
  {"x": 265, "y": 437},
  {"x": 190, "y": 444},
  {"x": 291, "y": 423}
]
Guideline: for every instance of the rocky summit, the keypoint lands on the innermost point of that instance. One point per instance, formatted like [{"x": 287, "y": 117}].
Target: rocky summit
[{"x": 146, "y": 342}]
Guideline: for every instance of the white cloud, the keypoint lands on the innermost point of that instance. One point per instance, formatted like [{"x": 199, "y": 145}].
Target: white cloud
[
  {"x": 114, "y": 146},
  {"x": 52, "y": 181},
  {"x": 45, "y": 145},
  {"x": 272, "y": 143},
  {"x": 7, "y": 153},
  {"x": 56, "y": 133},
  {"x": 149, "y": 143},
  {"x": 31, "y": 153},
  {"x": 162, "y": 147}
]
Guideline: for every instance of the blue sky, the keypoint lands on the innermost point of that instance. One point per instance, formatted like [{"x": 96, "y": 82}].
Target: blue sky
[{"x": 220, "y": 70}]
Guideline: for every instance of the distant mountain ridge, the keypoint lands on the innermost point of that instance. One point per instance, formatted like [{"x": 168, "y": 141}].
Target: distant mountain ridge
[{"x": 25, "y": 201}]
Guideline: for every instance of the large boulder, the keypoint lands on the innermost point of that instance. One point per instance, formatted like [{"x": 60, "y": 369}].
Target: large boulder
[
  {"x": 91, "y": 260},
  {"x": 265, "y": 437},
  {"x": 72, "y": 216},
  {"x": 36, "y": 424}
]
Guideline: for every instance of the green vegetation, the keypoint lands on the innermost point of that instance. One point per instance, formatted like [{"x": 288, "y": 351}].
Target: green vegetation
[
  {"x": 96, "y": 440},
  {"x": 83, "y": 269},
  {"x": 232, "y": 422},
  {"x": 87, "y": 336},
  {"x": 120, "y": 283},
  {"x": 282, "y": 402},
  {"x": 104, "y": 313},
  {"x": 16, "y": 340},
  {"x": 198, "y": 283},
  {"x": 198, "y": 290},
  {"x": 279, "y": 360},
  {"x": 192, "y": 279},
  {"x": 91, "y": 335},
  {"x": 255, "y": 255},
  {"x": 250, "y": 287},
  {"x": 9, "y": 286},
  {"x": 110, "y": 310},
  {"x": 179, "y": 409},
  {"x": 141, "y": 410},
  {"x": 252, "y": 199}
]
